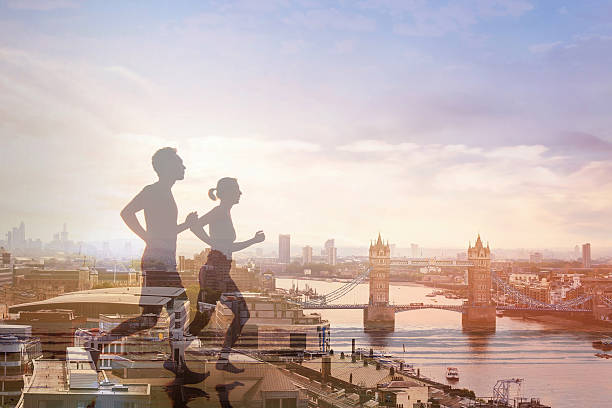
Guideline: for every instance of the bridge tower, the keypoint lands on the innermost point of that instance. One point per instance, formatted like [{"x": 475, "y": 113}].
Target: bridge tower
[
  {"x": 378, "y": 315},
  {"x": 479, "y": 310}
]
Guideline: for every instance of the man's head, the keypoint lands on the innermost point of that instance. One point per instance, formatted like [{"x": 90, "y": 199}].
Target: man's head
[{"x": 167, "y": 164}]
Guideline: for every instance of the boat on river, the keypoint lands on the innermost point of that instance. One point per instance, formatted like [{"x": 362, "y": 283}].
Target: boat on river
[
  {"x": 452, "y": 374},
  {"x": 604, "y": 344}
]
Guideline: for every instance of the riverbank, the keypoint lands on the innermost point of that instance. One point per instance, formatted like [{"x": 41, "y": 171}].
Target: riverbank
[{"x": 581, "y": 325}]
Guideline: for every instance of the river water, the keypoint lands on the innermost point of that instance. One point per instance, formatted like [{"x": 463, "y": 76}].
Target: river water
[{"x": 558, "y": 365}]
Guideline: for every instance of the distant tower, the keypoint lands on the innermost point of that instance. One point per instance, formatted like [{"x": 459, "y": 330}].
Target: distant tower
[
  {"x": 22, "y": 238},
  {"x": 414, "y": 250},
  {"x": 330, "y": 252},
  {"x": 64, "y": 234},
  {"x": 284, "y": 248},
  {"x": 332, "y": 256},
  {"x": 378, "y": 315},
  {"x": 306, "y": 255},
  {"x": 479, "y": 310},
  {"x": 586, "y": 255}
]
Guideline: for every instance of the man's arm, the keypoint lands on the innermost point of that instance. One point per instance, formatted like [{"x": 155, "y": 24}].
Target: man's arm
[
  {"x": 190, "y": 220},
  {"x": 129, "y": 216}
]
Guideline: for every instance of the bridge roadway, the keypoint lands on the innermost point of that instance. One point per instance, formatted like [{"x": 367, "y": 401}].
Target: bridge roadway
[{"x": 454, "y": 308}]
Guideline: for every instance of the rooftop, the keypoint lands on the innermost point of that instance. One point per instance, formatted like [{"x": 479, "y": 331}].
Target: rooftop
[
  {"x": 364, "y": 376},
  {"x": 88, "y": 298},
  {"x": 49, "y": 377}
]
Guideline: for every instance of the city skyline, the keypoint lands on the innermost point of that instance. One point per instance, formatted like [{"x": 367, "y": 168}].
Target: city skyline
[{"x": 130, "y": 248}]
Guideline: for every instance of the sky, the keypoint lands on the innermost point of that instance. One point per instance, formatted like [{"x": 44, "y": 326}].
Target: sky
[{"x": 426, "y": 121}]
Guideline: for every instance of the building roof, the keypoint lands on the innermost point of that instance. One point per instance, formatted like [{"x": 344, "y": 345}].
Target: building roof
[
  {"x": 367, "y": 377},
  {"x": 81, "y": 297},
  {"x": 15, "y": 329},
  {"x": 49, "y": 377},
  {"x": 136, "y": 291}
]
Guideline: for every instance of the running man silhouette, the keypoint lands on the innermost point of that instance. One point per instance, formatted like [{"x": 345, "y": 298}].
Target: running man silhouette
[
  {"x": 215, "y": 276},
  {"x": 160, "y": 212}
]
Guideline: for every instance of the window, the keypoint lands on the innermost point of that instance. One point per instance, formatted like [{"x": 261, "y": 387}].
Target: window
[
  {"x": 289, "y": 403},
  {"x": 297, "y": 341},
  {"x": 51, "y": 404},
  {"x": 272, "y": 403},
  {"x": 124, "y": 404}
]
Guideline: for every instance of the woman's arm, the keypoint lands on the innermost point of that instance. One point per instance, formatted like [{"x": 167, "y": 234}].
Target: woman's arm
[
  {"x": 197, "y": 227},
  {"x": 259, "y": 237},
  {"x": 190, "y": 220}
]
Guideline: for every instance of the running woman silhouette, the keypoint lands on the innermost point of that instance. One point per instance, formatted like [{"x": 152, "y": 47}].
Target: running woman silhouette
[{"x": 215, "y": 276}]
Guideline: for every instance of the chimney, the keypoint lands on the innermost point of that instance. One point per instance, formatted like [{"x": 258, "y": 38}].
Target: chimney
[{"x": 325, "y": 368}]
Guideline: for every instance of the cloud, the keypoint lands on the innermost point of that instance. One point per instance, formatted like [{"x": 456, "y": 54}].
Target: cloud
[
  {"x": 41, "y": 5},
  {"x": 344, "y": 46},
  {"x": 131, "y": 76},
  {"x": 376, "y": 146},
  {"x": 330, "y": 19},
  {"x": 426, "y": 19},
  {"x": 544, "y": 47}
]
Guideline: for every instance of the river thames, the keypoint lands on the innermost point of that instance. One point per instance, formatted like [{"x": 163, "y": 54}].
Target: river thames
[{"x": 557, "y": 364}]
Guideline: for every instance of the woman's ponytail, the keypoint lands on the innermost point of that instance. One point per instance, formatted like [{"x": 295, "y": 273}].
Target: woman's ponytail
[{"x": 211, "y": 194}]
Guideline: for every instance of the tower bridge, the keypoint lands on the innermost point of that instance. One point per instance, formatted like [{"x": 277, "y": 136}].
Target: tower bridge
[{"x": 478, "y": 312}]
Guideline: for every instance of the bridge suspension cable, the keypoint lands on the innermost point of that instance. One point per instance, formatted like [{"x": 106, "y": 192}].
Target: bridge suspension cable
[
  {"x": 531, "y": 302},
  {"x": 338, "y": 293}
]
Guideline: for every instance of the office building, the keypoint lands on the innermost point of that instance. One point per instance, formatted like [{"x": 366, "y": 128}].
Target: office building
[
  {"x": 535, "y": 258},
  {"x": 17, "y": 351},
  {"x": 586, "y": 255},
  {"x": 306, "y": 255},
  {"x": 330, "y": 243},
  {"x": 332, "y": 256},
  {"x": 414, "y": 251},
  {"x": 284, "y": 248}
]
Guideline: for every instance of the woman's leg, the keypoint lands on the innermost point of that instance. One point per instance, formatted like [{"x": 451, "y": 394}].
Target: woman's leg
[{"x": 239, "y": 308}]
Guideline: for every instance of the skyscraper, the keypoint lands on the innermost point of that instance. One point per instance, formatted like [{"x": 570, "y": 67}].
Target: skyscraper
[
  {"x": 332, "y": 255},
  {"x": 586, "y": 255},
  {"x": 414, "y": 250},
  {"x": 330, "y": 243},
  {"x": 577, "y": 252},
  {"x": 329, "y": 251},
  {"x": 306, "y": 255},
  {"x": 284, "y": 248},
  {"x": 64, "y": 234}
]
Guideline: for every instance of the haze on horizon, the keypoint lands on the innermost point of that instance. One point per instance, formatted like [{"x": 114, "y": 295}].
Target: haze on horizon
[{"x": 426, "y": 121}]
